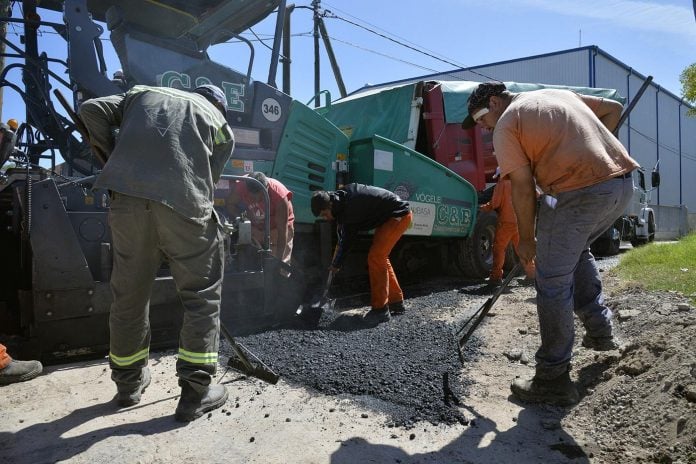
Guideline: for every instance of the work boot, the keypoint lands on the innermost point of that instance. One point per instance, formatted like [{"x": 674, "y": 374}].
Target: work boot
[
  {"x": 397, "y": 308},
  {"x": 193, "y": 403},
  {"x": 377, "y": 316},
  {"x": 19, "y": 371},
  {"x": 600, "y": 343},
  {"x": 559, "y": 391},
  {"x": 127, "y": 395}
]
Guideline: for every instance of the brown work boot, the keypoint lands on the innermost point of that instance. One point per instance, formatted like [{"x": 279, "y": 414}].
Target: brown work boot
[
  {"x": 194, "y": 403},
  {"x": 19, "y": 371},
  {"x": 601, "y": 343},
  {"x": 129, "y": 395},
  {"x": 559, "y": 391}
]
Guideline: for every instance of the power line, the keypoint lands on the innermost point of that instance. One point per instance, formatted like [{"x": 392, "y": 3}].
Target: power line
[
  {"x": 329, "y": 14},
  {"x": 383, "y": 54},
  {"x": 387, "y": 32},
  {"x": 664, "y": 147}
]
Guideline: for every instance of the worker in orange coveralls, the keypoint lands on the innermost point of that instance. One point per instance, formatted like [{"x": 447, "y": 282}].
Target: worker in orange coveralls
[
  {"x": 505, "y": 230},
  {"x": 12, "y": 371}
]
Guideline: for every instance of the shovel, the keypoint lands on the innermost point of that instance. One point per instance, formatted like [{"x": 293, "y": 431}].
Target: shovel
[
  {"x": 473, "y": 322},
  {"x": 311, "y": 313}
]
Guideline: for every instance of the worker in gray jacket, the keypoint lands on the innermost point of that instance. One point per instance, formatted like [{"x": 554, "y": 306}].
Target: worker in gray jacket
[{"x": 161, "y": 171}]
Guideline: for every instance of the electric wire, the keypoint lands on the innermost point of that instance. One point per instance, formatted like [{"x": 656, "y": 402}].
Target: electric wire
[
  {"x": 331, "y": 15},
  {"x": 387, "y": 32}
]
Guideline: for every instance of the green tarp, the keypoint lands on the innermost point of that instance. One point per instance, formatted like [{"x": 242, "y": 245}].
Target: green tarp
[
  {"x": 456, "y": 95},
  {"x": 387, "y": 111}
]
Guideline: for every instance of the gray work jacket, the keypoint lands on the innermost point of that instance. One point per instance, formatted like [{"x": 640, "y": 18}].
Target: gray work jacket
[{"x": 171, "y": 147}]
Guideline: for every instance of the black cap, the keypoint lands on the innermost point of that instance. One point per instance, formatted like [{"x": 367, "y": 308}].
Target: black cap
[
  {"x": 214, "y": 94},
  {"x": 480, "y": 99}
]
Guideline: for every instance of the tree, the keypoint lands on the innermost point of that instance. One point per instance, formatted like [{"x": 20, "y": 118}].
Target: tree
[{"x": 688, "y": 82}]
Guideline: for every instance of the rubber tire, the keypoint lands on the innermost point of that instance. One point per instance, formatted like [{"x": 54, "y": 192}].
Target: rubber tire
[
  {"x": 651, "y": 227},
  {"x": 473, "y": 256},
  {"x": 606, "y": 247}
]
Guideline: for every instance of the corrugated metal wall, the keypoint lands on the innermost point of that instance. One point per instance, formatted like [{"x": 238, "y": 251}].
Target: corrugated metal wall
[
  {"x": 657, "y": 129},
  {"x": 555, "y": 68}
]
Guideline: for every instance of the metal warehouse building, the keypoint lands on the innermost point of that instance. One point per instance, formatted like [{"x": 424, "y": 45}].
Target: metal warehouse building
[{"x": 658, "y": 128}]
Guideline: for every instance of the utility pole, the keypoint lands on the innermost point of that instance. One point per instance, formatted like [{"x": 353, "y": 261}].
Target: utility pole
[
  {"x": 317, "y": 86},
  {"x": 5, "y": 10}
]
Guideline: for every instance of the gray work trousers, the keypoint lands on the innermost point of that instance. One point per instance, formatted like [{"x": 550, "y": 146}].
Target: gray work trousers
[
  {"x": 567, "y": 278},
  {"x": 145, "y": 233}
]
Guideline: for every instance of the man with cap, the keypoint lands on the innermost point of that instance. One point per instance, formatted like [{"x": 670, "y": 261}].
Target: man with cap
[
  {"x": 505, "y": 230},
  {"x": 561, "y": 142},
  {"x": 359, "y": 207},
  {"x": 161, "y": 173},
  {"x": 249, "y": 197}
]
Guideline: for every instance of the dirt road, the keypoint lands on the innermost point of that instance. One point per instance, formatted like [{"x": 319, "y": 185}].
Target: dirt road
[{"x": 638, "y": 405}]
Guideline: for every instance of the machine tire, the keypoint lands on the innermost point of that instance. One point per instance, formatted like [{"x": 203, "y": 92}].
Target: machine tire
[{"x": 473, "y": 256}]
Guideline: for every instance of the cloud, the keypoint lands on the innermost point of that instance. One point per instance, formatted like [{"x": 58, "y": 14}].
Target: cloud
[{"x": 644, "y": 15}]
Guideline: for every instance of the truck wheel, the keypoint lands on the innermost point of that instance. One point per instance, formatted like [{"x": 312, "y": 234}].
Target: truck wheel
[
  {"x": 473, "y": 256},
  {"x": 608, "y": 244}
]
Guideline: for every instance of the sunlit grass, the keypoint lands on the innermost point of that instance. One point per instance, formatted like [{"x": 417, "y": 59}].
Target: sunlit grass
[{"x": 662, "y": 266}]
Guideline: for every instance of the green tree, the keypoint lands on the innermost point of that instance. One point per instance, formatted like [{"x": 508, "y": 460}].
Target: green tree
[{"x": 688, "y": 82}]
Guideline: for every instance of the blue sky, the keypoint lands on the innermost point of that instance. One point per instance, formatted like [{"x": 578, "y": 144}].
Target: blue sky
[{"x": 653, "y": 37}]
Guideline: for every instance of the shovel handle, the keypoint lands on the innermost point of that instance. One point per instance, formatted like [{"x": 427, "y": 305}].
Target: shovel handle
[{"x": 327, "y": 286}]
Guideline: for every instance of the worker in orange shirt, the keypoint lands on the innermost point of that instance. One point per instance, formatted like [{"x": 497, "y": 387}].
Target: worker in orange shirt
[{"x": 505, "y": 230}]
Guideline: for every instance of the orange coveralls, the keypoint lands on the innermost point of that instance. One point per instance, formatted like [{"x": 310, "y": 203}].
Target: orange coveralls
[
  {"x": 505, "y": 230},
  {"x": 383, "y": 283},
  {"x": 5, "y": 358}
]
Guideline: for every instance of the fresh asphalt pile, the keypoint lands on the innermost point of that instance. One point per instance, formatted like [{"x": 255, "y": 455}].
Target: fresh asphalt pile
[{"x": 407, "y": 368}]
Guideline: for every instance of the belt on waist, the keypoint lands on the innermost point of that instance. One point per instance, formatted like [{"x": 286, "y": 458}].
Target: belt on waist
[{"x": 623, "y": 176}]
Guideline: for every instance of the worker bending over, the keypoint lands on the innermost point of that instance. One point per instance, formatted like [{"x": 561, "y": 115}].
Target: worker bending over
[
  {"x": 359, "y": 207},
  {"x": 248, "y": 197},
  {"x": 562, "y": 142},
  {"x": 161, "y": 172}
]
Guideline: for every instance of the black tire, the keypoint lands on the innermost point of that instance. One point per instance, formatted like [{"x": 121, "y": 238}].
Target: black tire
[
  {"x": 607, "y": 246},
  {"x": 651, "y": 227},
  {"x": 639, "y": 241},
  {"x": 473, "y": 256}
]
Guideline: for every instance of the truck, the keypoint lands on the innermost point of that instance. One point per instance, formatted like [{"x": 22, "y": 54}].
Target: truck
[
  {"x": 55, "y": 238},
  {"x": 639, "y": 227}
]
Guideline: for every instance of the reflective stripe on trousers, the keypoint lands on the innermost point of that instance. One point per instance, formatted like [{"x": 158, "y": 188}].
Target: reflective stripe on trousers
[{"x": 144, "y": 234}]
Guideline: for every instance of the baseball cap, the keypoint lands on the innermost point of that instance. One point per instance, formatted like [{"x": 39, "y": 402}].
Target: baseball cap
[
  {"x": 213, "y": 93},
  {"x": 479, "y": 100}
]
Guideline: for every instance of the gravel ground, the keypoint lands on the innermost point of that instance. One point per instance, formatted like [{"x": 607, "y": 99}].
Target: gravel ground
[{"x": 350, "y": 393}]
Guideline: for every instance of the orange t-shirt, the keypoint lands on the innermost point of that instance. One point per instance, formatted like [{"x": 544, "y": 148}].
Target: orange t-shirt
[{"x": 557, "y": 134}]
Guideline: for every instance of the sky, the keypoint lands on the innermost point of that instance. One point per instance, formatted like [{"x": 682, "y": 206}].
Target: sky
[{"x": 654, "y": 37}]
